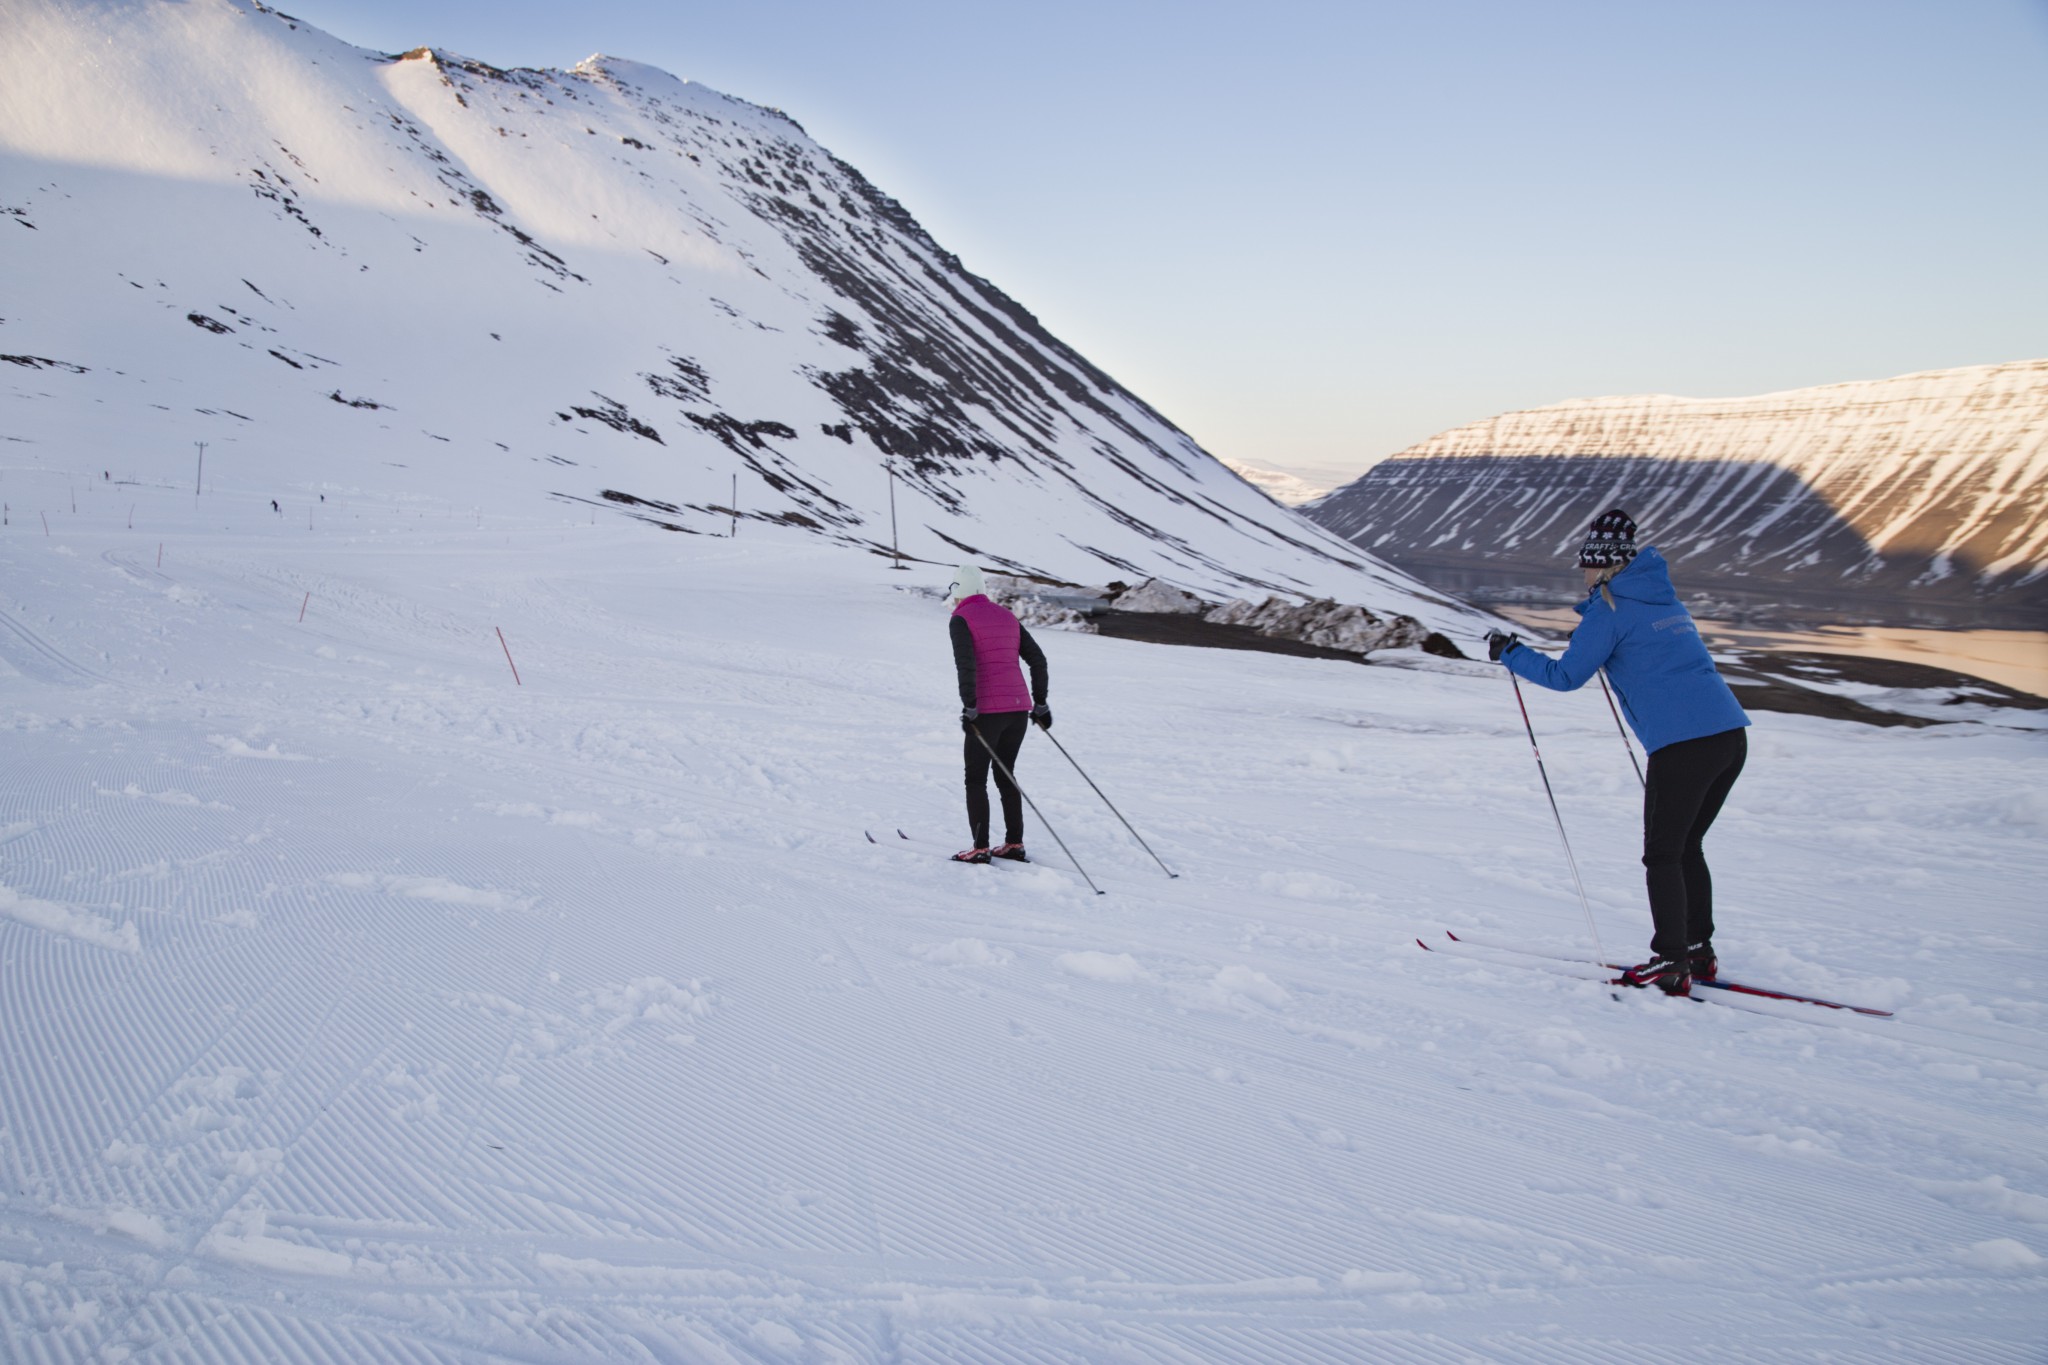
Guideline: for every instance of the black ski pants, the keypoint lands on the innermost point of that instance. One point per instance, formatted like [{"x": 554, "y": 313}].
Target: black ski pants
[
  {"x": 1683, "y": 793},
  {"x": 1004, "y": 732}
]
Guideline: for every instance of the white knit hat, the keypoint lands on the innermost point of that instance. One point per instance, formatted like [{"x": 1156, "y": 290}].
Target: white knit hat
[{"x": 967, "y": 582}]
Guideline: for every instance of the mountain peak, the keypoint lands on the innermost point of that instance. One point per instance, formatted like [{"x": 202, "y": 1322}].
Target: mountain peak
[{"x": 622, "y": 291}]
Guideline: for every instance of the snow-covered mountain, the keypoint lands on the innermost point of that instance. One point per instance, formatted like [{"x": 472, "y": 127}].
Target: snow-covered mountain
[
  {"x": 1283, "y": 486},
  {"x": 1928, "y": 488},
  {"x": 421, "y": 273}
]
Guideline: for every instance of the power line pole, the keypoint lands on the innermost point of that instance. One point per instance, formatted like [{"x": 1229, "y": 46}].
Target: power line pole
[{"x": 894, "y": 546}]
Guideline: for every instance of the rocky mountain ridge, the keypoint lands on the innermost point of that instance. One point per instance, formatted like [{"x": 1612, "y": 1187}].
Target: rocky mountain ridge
[{"x": 1924, "y": 492}]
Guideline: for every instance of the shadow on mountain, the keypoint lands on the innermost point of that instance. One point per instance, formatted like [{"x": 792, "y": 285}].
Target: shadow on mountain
[{"x": 1747, "y": 540}]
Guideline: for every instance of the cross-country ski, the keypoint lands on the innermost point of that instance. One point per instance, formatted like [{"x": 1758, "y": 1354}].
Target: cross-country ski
[{"x": 1720, "y": 983}]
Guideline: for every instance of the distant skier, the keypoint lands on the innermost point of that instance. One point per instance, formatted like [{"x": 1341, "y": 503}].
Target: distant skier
[
  {"x": 1632, "y": 624},
  {"x": 988, "y": 642}
]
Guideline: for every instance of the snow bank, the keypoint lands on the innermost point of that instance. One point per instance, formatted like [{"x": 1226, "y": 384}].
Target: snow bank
[{"x": 72, "y": 921}]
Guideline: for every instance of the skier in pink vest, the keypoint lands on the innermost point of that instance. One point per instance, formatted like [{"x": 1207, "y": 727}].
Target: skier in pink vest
[{"x": 988, "y": 642}]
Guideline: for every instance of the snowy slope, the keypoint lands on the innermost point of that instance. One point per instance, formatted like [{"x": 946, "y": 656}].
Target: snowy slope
[
  {"x": 1925, "y": 488},
  {"x": 359, "y": 1003},
  {"x": 606, "y": 285}
]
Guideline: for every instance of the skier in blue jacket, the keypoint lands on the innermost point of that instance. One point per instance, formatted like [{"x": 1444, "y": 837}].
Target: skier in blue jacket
[{"x": 1633, "y": 625}]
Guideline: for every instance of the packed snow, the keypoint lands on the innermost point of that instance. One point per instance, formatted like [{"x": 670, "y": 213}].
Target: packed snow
[{"x": 364, "y": 1003}]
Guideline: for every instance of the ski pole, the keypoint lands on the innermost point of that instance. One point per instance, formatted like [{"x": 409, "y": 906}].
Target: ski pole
[
  {"x": 1624, "y": 733},
  {"x": 1011, "y": 778},
  {"x": 1107, "y": 802},
  {"x": 1599, "y": 953}
]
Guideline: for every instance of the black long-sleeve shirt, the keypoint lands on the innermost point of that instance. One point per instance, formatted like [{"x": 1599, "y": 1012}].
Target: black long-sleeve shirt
[{"x": 963, "y": 661}]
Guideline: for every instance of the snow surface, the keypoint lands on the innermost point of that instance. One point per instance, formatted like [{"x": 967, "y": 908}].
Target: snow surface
[{"x": 360, "y": 1003}]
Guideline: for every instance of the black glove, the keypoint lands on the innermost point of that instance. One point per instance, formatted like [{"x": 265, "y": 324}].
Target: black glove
[
  {"x": 968, "y": 715},
  {"x": 1042, "y": 714},
  {"x": 1499, "y": 642}
]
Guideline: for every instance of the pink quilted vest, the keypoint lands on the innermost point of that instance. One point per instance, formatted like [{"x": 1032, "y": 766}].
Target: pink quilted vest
[{"x": 998, "y": 680}]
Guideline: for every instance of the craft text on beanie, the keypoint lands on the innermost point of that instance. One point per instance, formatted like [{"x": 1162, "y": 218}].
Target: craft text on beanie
[{"x": 1610, "y": 543}]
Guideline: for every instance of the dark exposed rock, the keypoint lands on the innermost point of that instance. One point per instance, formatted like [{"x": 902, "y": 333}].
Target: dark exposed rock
[
  {"x": 735, "y": 434},
  {"x": 689, "y": 383},
  {"x": 614, "y": 495},
  {"x": 612, "y": 413},
  {"x": 842, "y": 329},
  {"x": 1332, "y": 625}
]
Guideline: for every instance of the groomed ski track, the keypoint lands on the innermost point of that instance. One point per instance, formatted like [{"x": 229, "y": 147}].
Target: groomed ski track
[{"x": 361, "y": 1005}]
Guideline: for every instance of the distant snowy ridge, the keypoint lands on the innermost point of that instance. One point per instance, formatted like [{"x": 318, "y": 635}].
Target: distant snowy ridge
[
  {"x": 607, "y": 285},
  {"x": 1286, "y": 488},
  {"x": 1931, "y": 486}
]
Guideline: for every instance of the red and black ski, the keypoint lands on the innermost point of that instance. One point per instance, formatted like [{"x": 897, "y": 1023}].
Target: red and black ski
[{"x": 1719, "y": 983}]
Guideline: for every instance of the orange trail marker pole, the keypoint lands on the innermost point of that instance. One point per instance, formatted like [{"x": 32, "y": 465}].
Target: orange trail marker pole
[{"x": 508, "y": 656}]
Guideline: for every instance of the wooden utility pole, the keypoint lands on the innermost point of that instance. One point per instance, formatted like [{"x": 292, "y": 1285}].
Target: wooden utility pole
[{"x": 894, "y": 547}]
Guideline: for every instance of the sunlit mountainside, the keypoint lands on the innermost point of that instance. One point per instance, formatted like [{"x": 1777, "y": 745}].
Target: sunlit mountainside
[{"x": 605, "y": 285}]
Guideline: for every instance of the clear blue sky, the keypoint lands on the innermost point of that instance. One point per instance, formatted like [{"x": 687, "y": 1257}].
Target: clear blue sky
[{"x": 1313, "y": 233}]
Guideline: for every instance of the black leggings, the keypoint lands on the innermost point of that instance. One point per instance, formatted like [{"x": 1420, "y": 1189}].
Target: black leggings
[
  {"x": 1687, "y": 783},
  {"x": 1005, "y": 732}
]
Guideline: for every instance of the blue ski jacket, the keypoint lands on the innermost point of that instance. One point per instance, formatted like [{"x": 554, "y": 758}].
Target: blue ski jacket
[{"x": 1661, "y": 671}]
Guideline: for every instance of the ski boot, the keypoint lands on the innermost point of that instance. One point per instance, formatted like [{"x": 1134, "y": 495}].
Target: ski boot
[
  {"x": 1013, "y": 852},
  {"x": 1700, "y": 962},
  {"x": 1666, "y": 975},
  {"x": 971, "y": 855}
]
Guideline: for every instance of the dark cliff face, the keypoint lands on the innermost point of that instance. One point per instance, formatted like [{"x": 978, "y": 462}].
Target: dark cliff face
[{"x": 1915, "y": 501}]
